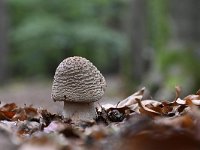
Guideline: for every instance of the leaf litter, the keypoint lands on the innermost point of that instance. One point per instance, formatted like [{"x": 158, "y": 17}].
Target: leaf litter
[{"x": 133, "y": 123}]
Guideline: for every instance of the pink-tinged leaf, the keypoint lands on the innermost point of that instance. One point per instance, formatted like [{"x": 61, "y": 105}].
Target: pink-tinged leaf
[{"x": 54, "y": 126}]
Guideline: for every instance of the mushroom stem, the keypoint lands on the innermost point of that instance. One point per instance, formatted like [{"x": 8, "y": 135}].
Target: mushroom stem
[{"x": 79, "y": 111}]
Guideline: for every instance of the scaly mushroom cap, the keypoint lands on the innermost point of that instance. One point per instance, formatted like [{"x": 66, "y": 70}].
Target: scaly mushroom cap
[{"x": 77, "y": 80}]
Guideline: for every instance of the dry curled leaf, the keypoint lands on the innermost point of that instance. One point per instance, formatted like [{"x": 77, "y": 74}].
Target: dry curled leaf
[
  {"x": 178, "y": 91},
  {"x": 146, "y": 111},
  {"x": 131, "y": 99}
]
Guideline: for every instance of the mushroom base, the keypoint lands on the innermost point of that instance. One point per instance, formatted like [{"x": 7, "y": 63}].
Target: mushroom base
[{"x": 79, "y": 111}]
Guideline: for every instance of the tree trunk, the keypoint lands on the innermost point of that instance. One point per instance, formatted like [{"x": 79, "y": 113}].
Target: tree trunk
[
  {"x": 186, "y": 18},
  {"x": 133, "y": 61},
  {"x": 3, "y": 40}
]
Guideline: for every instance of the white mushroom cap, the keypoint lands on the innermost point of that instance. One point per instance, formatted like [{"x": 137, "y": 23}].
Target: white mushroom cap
[{"x": 77, "y": 80}]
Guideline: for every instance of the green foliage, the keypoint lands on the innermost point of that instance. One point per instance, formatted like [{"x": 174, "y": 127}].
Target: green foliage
[
  {"x": 180, "y": 67},
  {"x": 176, "y": 66},
  {"x": 158, "y": 23},
  {"x": 45, "y": 32},
  {"x": 183, "y": 58}
]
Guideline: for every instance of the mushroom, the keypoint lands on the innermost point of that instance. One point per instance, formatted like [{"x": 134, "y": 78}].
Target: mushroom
[{"x": 79, "y": 84}]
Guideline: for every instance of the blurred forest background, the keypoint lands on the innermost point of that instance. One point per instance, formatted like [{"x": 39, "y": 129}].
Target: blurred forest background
[{"x": 134, "y": 43}]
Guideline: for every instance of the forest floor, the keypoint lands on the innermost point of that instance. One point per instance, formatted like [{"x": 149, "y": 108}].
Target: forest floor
[
  {"x": 38, "y": 93},
  {"x": 135, "y": 122}
]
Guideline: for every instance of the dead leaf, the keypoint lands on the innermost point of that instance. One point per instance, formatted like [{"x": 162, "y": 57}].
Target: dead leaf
[
  {"x": 178, "y": 91},
  {"x": 8, "y": 107},
  {"x": 131, "y": 99},
  {"x": 54, "y": 126},
  {"x": 146, "y": 111}
]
